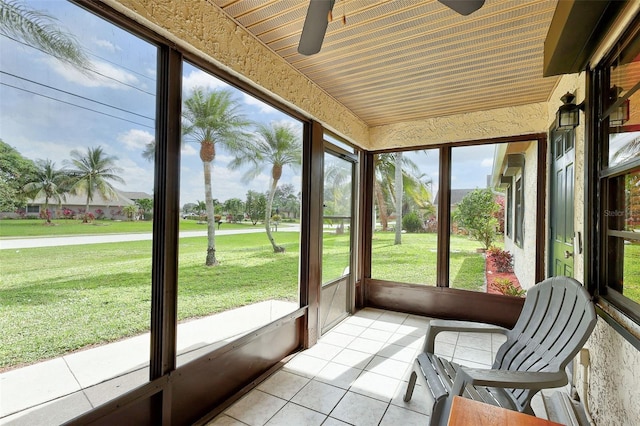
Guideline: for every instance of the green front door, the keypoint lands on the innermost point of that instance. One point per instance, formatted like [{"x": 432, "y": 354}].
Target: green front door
[{"x": 562, "y": 203}]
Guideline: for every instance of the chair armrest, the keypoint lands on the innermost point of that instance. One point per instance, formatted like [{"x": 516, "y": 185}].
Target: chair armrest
[
  {"x": 437, "y": 326},
  {"x": 507, "y": 379}
]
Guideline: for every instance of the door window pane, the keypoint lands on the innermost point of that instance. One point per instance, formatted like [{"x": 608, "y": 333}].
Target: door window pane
[{"x": 338, "y": 202}]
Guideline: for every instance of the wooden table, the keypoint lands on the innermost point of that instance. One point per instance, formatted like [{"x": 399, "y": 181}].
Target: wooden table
[{"x": 466, "y": 412}]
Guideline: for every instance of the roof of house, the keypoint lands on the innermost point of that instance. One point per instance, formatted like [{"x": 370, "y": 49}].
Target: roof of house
[
  {"x": 136, "y": 195},
  {"x": 456, "y": 196},
  {"x": 118, "y": 199}
]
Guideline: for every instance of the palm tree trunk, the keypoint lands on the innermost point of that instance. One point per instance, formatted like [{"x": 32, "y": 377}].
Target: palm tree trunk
[
  {"x": 267, "y": 218},
  {"x": 46, "y": 208},
  {"x": 382, "y": 207},
  {"x": 85, "y": 217},
  {"x": 211, "y": 220},
  {"x": 398, "y": 190}
]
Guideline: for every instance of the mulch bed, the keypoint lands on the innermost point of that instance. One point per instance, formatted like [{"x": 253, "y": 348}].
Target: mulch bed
[{"x": 491, "y": 273}]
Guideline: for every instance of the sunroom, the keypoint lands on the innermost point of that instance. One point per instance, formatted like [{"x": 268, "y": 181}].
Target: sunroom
[{"x": 445, "y": 101}]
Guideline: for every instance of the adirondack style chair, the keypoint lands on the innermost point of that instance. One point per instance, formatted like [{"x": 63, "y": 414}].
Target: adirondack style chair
[{"x": 557, "y": 318}]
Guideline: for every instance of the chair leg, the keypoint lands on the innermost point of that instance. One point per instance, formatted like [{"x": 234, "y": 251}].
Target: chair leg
[{"x": 410, "y": 386}]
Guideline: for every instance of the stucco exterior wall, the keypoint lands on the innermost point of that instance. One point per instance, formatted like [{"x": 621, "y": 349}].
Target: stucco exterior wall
[
  {"x": 495, "y": 123},
  {"x": 524, "y": 269},
  {"x": 201, "y": 27},
  {"x": 613, "y": 377}
]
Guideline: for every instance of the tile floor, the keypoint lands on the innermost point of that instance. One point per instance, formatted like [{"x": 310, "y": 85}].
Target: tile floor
[{"x": 356, "y": 375}]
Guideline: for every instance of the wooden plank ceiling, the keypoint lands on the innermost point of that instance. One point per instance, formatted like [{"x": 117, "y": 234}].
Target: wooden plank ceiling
[{"x": 401, "y": 60}]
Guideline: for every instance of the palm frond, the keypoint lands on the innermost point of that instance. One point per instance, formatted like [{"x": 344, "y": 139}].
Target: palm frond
[{"x": 42, "y": 31}]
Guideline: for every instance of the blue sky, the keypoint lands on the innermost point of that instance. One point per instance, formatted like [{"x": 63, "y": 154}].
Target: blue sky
[{"x": 115, "y": 108}]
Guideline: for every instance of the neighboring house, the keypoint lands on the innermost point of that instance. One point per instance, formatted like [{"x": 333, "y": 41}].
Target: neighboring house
[
  {"x": 75, "y": 205},
  {"x": 136, "y": 195}
]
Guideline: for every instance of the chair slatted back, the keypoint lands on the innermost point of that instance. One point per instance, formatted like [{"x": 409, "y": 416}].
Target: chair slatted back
[{"x": 556, "y": 320}]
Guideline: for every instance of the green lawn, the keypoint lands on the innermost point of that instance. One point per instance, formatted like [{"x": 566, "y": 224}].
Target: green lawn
[
  {"x": 58, "y": 299},
  {"x": 54, "y": 300},
  {"x": 632, "y": 272},
  {"x": 414, "y": 261}
]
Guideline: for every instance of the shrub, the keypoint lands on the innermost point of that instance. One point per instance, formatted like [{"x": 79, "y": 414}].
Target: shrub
[
  {"x": 475, "y": 214},
  {"x": 503, "y": 260},
  {"x": 411, "y": 222},
  {"x": 506, "y": 287}
]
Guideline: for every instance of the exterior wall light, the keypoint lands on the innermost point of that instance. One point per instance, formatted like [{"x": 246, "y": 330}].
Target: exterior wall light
[
  {"x": 568, "y": 115},
  {"x": 619, "y": 115}
]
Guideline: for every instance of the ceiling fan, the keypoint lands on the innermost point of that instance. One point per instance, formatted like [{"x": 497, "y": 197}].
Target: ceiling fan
[{"x": 317, "y": 20}]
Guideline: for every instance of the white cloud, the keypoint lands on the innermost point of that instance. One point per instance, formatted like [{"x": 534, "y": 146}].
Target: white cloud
[
  {"x": 487, "y": 162},
  {"x": 188, "y": 149},
  {"x": 106, "y": 75},
  {"x": 136, "y": 177},
  {"x": 199, "y": 78},
  {"x": 135, "y": 139},
  {"x": 263, "y": 107},
  {"x": 106, "y": 45}
]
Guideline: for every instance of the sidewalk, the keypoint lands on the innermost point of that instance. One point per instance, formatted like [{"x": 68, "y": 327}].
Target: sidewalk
[
  {"x": 69, "y": 240},
  {"x": 57, "y": 390}
]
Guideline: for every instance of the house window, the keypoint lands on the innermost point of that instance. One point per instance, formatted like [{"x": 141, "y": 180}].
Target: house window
[
  {"x": 620, "y": 177},
  {"x": 519, "y": 213},
  {"x": 509, "y": 213},
  {"x": 31, "y": 209}
]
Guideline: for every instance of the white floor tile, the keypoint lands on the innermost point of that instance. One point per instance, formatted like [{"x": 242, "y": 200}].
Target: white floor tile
[
  {"x": 319, "y": 396},
  {"x": 475, "y": 340},
  {"x": 375, "y": 385},
  {"x": 388, "y": 367},
  {"x": 323, "y": 350},
  {"x": 421, "y": 401},
  {"x": 349, "y": 329},
  {"x": 305, "y": 365},
  {"x": 378, "y": 335},
  {"x": 338, "y": 375},
  {"x": 292, "y": 414},
  {"x": 255, "y": 408},
  {"x": 283, "y": 384},
  {"x": 334, "y": 422},
  {"x": 401, "y": 416},
  {"x": 353, "y": 358},
  {"x": 224, "y": 420},
  {"x": 472, "y": 354},
  {"x": 359, "y": 410},
  {"x": 371, "y": 313},
  {"x": 399, "y": 353},
  {"x": 365, "y": 345},
  {"x": 337, "y": 339}
]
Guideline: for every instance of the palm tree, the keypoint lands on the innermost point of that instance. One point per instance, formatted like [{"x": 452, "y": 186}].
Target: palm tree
[
  {"x": 149, "y": 152},
  {"x": 398, "y": 192},
  {"x": 90, "y": 174},
  {"x": 49, "y": 183},
  {"x": 209, "y": 119},
  {"x": 40, "y": 30},
  {"x": 384, "y": 183},
  {"x": 628, "y": 151},
  {"x": 277, "y": 146}
]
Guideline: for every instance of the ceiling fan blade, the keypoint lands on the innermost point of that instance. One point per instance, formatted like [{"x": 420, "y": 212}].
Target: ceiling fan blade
[
  {"x": 315, "y": 26},
  {"x": 463, "y": 7}
]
